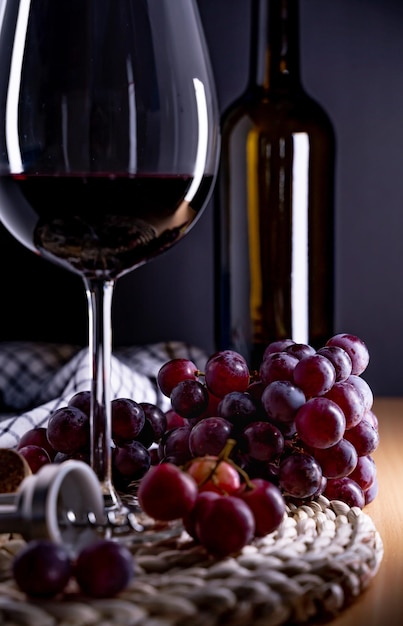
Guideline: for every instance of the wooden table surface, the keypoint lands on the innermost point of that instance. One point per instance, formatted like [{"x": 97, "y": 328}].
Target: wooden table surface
[{"x": 382, "y": 603}]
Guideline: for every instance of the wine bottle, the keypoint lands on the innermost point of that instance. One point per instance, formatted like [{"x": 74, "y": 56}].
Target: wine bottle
[{"x": 275, "y": 230}]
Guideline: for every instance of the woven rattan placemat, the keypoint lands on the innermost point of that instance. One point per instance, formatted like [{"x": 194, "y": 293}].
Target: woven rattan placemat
[{"x": 320, "y": 559}]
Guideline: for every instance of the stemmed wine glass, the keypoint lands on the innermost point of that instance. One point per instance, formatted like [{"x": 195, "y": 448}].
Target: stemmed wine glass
[{"x": 109, "y": 145}]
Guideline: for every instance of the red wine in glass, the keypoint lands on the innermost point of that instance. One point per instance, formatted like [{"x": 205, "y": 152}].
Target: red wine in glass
[{"x": 109, "y": 147}]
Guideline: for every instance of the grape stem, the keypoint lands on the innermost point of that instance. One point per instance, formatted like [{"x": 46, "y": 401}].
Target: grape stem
[{"x": 225, "y": 456}]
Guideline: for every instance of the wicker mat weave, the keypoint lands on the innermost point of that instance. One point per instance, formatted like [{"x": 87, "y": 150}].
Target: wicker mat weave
[{"x": 321, "y": 558}]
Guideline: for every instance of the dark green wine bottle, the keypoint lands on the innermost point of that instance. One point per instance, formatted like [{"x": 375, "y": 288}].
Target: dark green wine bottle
[{"x": 275, "y": 227}]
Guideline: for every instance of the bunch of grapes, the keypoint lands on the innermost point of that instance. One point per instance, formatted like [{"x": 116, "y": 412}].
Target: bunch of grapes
[
  {"x": 236, "y": 445},
  {"x": 136, "y": 428},
  {"x": 304, "y": 421}
]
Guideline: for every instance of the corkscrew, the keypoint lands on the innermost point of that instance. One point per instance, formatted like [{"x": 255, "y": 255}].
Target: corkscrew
[{"x": 62, "y": 502}]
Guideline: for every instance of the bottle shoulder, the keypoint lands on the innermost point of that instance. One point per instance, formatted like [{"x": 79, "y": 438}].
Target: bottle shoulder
[{"x": 296, "y": 111}]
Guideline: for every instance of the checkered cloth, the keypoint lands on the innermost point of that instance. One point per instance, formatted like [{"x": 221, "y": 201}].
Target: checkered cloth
[{"x": 37, "y": 378}]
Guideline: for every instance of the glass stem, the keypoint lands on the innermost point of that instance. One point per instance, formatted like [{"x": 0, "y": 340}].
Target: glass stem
[{"x": 99, "y": 297}]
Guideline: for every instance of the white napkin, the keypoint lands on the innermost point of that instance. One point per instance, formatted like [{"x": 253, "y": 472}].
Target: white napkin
[{"x": 38, "y": 378}]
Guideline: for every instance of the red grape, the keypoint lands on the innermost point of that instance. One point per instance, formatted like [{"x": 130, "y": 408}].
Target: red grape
[
  {"x": 363, "y": 388},
  {"x": 211, "y": 475},
  {"x": 189, "y": 398},
  {"x": 130, "y": 461},
  {"x": 127, "y": 419},
  {"x": 227, "y": 525},
  {"x": 266, "y": 503},
  {"x": 281, "y": 400},
  {"x": 346, "y": 490},
  {"x": 196, "y": 513},
  {"x": 173, "y": 371},
  {"x": 364, "y": 437},
  {"x": 166, "y": 492},
  {"x": 42, "y": 568},
  {"x": 364, "y": 473},
  {"x": 277, "y": 366},
  {"x": 300, "y": 350},
  {"x": 355, "y": 348},
  {"x": 209, "y": 436},
  {"x": 35, "y": 456},
  {"x": 174, "y": 445},
  {"x": 238, "y": 407},
  {"x": 338, "y": 460},
  {"x": 104, "y": 568},
  {"x": 226, "y": 371},
  {"x": 37, "y": 437},
  {"x": 339, "y": 359},
  {"x": 349, "y": 400},
  {"x": 68, "y": 429},
  {"x": 315, "y": 375},
  {"x": 156, "y": 417},
  {"x": 300, "y": 475},
  {"x": 320, "y": 423},
  {"x": 277, "y": 346},
  {"x": 262, "y": 441}
]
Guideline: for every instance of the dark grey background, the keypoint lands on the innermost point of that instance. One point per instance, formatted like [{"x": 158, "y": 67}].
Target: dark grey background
[{"x": 352, "y": 62}]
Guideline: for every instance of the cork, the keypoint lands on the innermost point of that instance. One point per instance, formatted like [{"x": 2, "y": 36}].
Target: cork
[{"x": 13, "y": 469}]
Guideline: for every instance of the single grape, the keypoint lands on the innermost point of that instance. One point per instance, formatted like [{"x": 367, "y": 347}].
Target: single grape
[
  {"x": 338, "y": 460},
  {"x": 281, "y": 400},
  {"x": 189, "y": 398},
  {"x": 156, "y": 417},
  {"x": 211, "y": 475},
  {"x": 130, "y": 462},
  {"x": 196, "y": 513},
  {"x": 372, "y": 419},
  {"x": 339, "y": 359},
  {"x": 277, "y": 366},
  {"x": 37, "y": 436},
  {"x": 42, "y": 568},
  {"x": 238, "y": 407},
  {"x": 262, "y": 441},
  {"x": 127, "y": 419},
  {"x": 174, "y": 420},
  {"x": 364, "y": 437},
  {"x": 174, "y": 445},
  {"x": 81, "y": 400},
  {"x": 68, "y": 430},
  {"x": 315, "y": 375},
  {"x": 104, "y": 568},
  {"x": 346, "y": 490},
  {"x": 364, "y": 389},
  {"x": 166, "y": 492},
  {"x": 173, "y": 371},
  {"x": 226, "y": 371},
  {"x": 371, "y": 493},
  {"x": 277, "y": 346},
  {"x": 209, "y": 436},
  {"x": 266, "y": 503},
  {"x": 364, "y": 473},
  {"x": 355, "y": 348},
  {"x": 35, "y": 456},
  {"x": 227, "y": 525},
  {"x": 349, "y": 399},
  {"x": 300, "y": 475},
  {"x": 212, "y": 407},
  {"x": 300, "y": 350},
  {"x": 320, "y": 423},
  {"x": 146, "y": 435}
]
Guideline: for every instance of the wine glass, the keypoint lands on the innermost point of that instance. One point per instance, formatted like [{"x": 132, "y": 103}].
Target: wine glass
[{"x": 109, "y": 147}]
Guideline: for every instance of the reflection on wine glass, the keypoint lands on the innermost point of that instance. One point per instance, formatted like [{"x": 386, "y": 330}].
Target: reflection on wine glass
[{"x": 108, "y": 149}]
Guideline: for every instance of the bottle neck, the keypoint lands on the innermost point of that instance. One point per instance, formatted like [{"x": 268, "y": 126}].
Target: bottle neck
[{"x": 275, "y": 63}]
